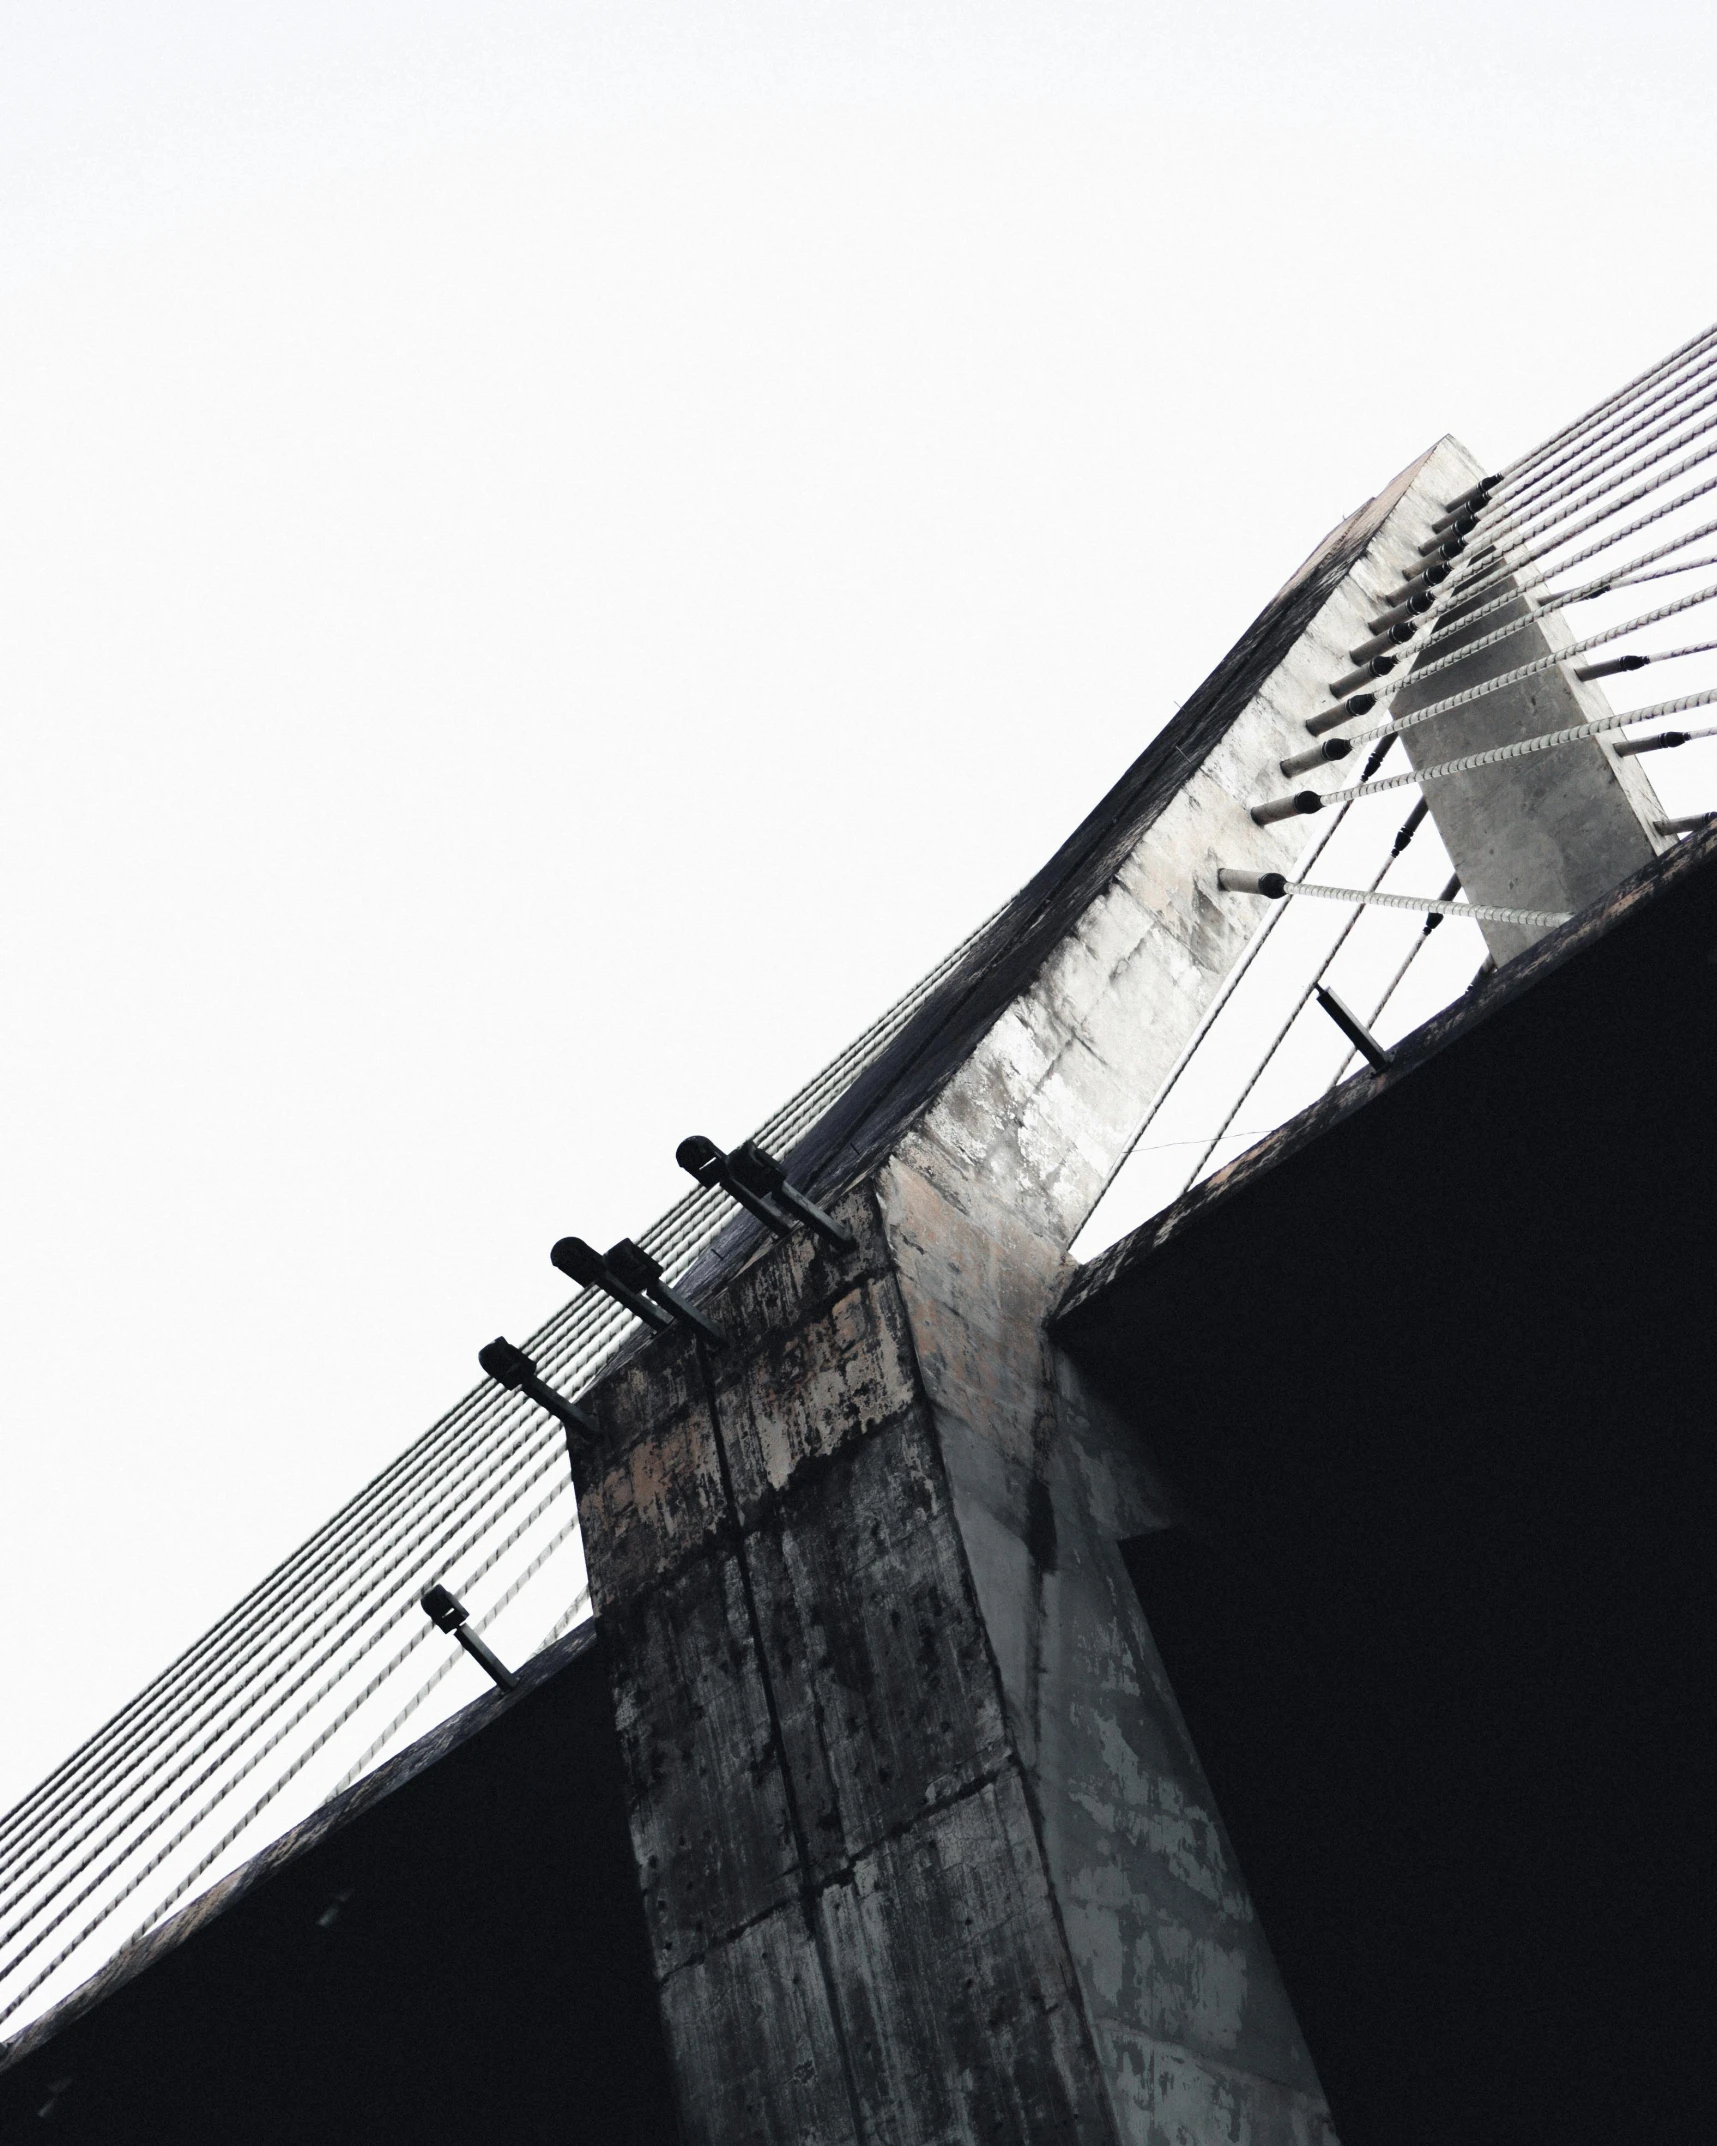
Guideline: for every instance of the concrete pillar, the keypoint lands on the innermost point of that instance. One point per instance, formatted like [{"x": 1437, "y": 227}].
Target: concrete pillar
[
  {"x": 1555, "y": 831},
  {"x": 926, "y": 1853},
  {"x": 853, "y": 1932}
]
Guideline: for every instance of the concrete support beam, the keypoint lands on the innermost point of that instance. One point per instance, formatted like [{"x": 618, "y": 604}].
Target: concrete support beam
[{"x": 1555, "y": 831}]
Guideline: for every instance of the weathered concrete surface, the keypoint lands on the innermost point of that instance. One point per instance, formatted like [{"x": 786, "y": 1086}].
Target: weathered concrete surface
[
  {"x": 1181, "y": 1983},
  {"x": 926, "y": 1850},
  {"x": 1554, "y": 831},
  {"x": 850, "y": 1919},
  {"x": 1195, "y": 2035}
]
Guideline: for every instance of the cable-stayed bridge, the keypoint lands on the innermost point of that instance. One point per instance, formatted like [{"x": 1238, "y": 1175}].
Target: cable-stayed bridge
[{"x": 841, "y": 1382}]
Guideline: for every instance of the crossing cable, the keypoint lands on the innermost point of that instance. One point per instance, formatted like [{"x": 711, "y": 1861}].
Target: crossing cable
[
  {"x": 686, "y": 1230},
  {"x": 1403, "y": 837},
  {"x": 1495, "y": 560},
  {"x": 137, "y": 1878},
  {"x": 801, "y": 1109},
  {"x": 621, "y": 1320},
  {"x": 530, "y": 1464},
  {"x": 1189, "y": 1050},
  {"x": 1421, "y": 939},
  {"x": 1586, "y": 430},
  {"x": 1524, "y": 748},
  {"x": 1534, "y": 669}
]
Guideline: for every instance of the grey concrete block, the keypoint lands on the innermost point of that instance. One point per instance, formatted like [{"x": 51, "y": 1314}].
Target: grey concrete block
[
  {"x": 887, "y": 1694},
  {"x": 707, "y": 1805},
  {"x": 961, "y": 2016},
  {"x": 753, "y": 2043}
]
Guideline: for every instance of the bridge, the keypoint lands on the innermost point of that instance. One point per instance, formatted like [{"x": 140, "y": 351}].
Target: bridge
[{"x": 902, "y": 1656}]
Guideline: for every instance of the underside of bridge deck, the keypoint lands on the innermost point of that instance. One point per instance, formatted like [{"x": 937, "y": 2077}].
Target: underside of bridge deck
[
  {"x": 1438, "y": 1608},
  {"x": 454, "y": 1951}
]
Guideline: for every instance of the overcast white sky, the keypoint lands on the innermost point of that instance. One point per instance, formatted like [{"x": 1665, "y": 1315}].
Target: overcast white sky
[{"x": 555, "y": 557}]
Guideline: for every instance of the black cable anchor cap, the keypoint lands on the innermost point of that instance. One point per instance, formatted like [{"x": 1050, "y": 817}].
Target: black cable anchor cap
[
  {"x": 511, "y": 1367},
  {"x": 758, "y": 1171},
  {"x": 753, "y": 1177},
  {"x": 699, "y": 1157},
  {"x": 445, "y": 1610},
  {"x": 628, "y": 1274},
  {"x": 1287, "y": 808}
]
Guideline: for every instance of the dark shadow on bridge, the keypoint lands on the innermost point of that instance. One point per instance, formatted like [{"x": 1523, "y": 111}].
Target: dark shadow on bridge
[
  {"x": 1431, "y": 1383},
  {"x": 454, "y": 1952}
]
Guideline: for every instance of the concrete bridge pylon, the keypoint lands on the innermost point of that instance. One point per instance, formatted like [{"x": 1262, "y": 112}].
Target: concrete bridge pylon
[{"x": 926, "y": 1851}]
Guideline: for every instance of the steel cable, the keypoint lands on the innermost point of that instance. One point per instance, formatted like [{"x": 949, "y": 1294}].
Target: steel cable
[
  {"x": 275, "y": 1641},
  {"x": 1513, "y": 472},
  {"x": 1534, "y": 669},
  {"x": 1495, "y": 563},
  {"x": 1523, "y": 748},
  {"x": 1560, "y": 473},
  {"x": 259, "y": 1706},
  {"x": 332, "y": 1728},
  {"x": 137, "y": 1877}
]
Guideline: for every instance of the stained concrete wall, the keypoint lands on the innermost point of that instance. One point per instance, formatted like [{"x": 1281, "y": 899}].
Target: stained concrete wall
[{"x": 852, "y": 1929}]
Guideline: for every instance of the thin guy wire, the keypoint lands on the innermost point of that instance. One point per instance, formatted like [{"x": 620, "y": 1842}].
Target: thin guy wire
[
  {"x": 1189, "y": 1050},
  {"x": 316, "y": 1614},
  {"x": 1421, "y": 940},
  {"x": 1257, "y": 1073},
  {"x": 332, "y": 1728}
]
